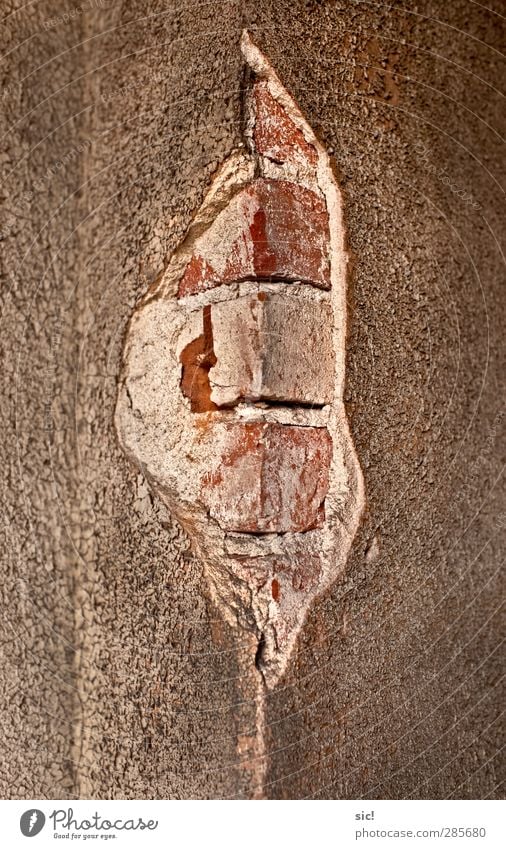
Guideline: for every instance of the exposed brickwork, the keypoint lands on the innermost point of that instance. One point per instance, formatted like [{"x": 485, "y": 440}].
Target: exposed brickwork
[
  {"x": 196, "y": 271},
  {"x": 197, "y": 358},
  {"x": 272, "y": 478},
  {"x": 273, "y": 229},
  {"x": 275, "y": 135},
  {"x": 269, "y": 348},
  {"x": 232, "y": 391}
]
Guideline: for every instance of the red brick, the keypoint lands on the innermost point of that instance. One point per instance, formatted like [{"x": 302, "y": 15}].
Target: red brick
[
  {"x": 268, "y": 348},
  {"x": 275, "y": 135},
  {"x": 273, "y": 478},
  {"x": 272, "y": 229},
  {"x": 196, "y": 271},
  {"x": 197, "y": 358}
]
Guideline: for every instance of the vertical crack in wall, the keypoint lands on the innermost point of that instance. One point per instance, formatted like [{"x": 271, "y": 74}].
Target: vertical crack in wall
[{"x": 231, "y": 396}]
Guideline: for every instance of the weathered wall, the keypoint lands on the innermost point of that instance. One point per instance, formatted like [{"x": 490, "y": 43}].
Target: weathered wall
[
  {"x": 42, "y": 145},
  {"x": 391, "y": 691}
]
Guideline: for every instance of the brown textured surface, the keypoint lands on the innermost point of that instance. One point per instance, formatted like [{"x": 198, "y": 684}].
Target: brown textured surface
[
  {"x": 41, "y": 152},
  {"x": 393, "y": 689}
]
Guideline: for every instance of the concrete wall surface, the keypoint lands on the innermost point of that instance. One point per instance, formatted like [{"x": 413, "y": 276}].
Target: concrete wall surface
[{"x": 118, "y": 676}]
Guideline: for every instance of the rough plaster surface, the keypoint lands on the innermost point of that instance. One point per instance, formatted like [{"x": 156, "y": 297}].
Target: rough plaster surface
[
  {"x": 393, "y": 689},
  {"x": 41, "y": 151}
]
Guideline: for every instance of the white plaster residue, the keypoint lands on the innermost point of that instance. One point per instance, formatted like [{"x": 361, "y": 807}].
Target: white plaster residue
[
  {"x": 263, "y": 582},
  {"x": 235, "y": 173}
]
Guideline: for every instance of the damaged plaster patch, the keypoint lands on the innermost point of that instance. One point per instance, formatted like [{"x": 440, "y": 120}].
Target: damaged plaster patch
[{"x": 231, "y": 396}]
